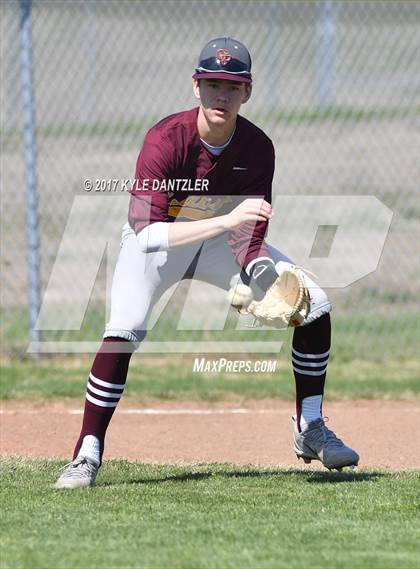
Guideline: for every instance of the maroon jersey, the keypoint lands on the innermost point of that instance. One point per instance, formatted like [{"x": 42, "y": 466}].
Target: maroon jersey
[{"x": 178, "y": 178}]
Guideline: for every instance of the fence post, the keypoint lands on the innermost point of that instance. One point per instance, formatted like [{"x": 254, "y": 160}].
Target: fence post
[
  {"x": 326, "y": 29},
  {"x": 30, "y": 167},
  {"x": 89, "y": 29}
]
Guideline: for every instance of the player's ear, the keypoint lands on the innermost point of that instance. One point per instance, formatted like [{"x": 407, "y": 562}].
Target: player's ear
[
  {"x": 248, "y": 92},
  {"x": 196, "y": 88}
]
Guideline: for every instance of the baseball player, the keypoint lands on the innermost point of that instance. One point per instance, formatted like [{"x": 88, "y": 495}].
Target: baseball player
[{"x": 210, "y": 170}]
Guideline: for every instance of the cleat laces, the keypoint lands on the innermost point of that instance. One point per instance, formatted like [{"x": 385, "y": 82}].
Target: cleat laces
[
  {"x": 78, "y": 468},
  {"x": 327, "y": 436}
]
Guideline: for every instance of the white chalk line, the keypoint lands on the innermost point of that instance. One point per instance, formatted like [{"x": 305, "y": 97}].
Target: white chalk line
[{"x": 146, "y": 411}]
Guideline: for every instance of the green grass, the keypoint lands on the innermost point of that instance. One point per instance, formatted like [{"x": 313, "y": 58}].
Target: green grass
[
  {"x": 370, "y": 336},
  {"x": 306, "y": 115},
  {"x": 208, "y": 516},
  {"x": 172, "y": 378},
  {"x": 369, "y": 360}
]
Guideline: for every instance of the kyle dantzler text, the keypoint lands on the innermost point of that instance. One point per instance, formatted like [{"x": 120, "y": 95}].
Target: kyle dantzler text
[{"x": 174, "y": 185}]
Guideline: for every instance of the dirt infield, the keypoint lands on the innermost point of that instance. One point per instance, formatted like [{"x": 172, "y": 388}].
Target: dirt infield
[{"x": 385, "y": 433}]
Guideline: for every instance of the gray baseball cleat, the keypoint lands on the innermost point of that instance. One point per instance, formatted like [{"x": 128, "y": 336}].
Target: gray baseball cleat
[
  {"x": 317, "y": 442},
  {"x": 79, "y": 473}
]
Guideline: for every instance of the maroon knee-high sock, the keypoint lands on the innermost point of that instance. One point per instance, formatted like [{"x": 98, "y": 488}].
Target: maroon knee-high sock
[
  {"x": 105, "y": 387},
  {"x": 310, "y": 352}
]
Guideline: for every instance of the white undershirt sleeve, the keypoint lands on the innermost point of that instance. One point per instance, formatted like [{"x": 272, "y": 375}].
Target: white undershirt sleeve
[{"x": 154, "y": 237}]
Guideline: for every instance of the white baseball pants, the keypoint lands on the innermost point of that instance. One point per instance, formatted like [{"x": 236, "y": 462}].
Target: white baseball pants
[{"x": 141, "y": 278}]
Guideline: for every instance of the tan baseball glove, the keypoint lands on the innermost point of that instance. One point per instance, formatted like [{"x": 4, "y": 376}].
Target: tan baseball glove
[{"x": 286, "y": 302}]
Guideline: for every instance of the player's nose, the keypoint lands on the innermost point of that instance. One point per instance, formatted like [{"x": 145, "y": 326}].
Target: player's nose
[{"x": 222, "y": 96}]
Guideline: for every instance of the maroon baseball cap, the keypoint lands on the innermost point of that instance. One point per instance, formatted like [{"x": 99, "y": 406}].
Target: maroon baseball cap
[{"x": 224, "y": 58}]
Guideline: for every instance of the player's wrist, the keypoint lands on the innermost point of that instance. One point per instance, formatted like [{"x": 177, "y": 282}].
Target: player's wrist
[
  {"x": 226, "y": 222},
  {"x": 263, "y": 275}
]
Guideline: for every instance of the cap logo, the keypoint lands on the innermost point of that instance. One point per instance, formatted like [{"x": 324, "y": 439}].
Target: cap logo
[{"x": 223, "y": 56}]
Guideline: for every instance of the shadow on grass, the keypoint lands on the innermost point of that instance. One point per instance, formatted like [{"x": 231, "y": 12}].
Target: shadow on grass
[{"x": 314, "y": 477}]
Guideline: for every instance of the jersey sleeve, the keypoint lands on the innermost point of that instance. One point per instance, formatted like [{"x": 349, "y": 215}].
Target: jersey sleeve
[
  {"x": 247, "y": 241},
  {"x": 149, "y": 204}
]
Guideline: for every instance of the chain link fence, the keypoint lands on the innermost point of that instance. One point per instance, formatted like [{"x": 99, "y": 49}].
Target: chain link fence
[{"x": 336, "y": 87}]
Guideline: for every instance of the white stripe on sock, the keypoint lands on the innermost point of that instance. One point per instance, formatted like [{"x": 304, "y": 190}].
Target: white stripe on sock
[
  {"x": 103, "y": 393},
  {"x": 304, "y": 372},
  {"x": 99, "y": 402},
  {"x": 310, "y": 356},
  {"x": 106, "y": 383},
  {"x": 310, "y": 364}
]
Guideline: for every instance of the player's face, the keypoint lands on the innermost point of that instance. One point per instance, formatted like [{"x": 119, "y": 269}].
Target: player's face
[{"x": 221, "y": 99}]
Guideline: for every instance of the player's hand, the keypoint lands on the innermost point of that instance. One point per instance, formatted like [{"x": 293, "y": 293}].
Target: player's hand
[{"x": 251, "y": 209}]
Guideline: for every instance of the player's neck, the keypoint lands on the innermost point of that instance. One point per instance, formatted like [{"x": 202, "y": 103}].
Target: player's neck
[{"x": 215, "y": 135}]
